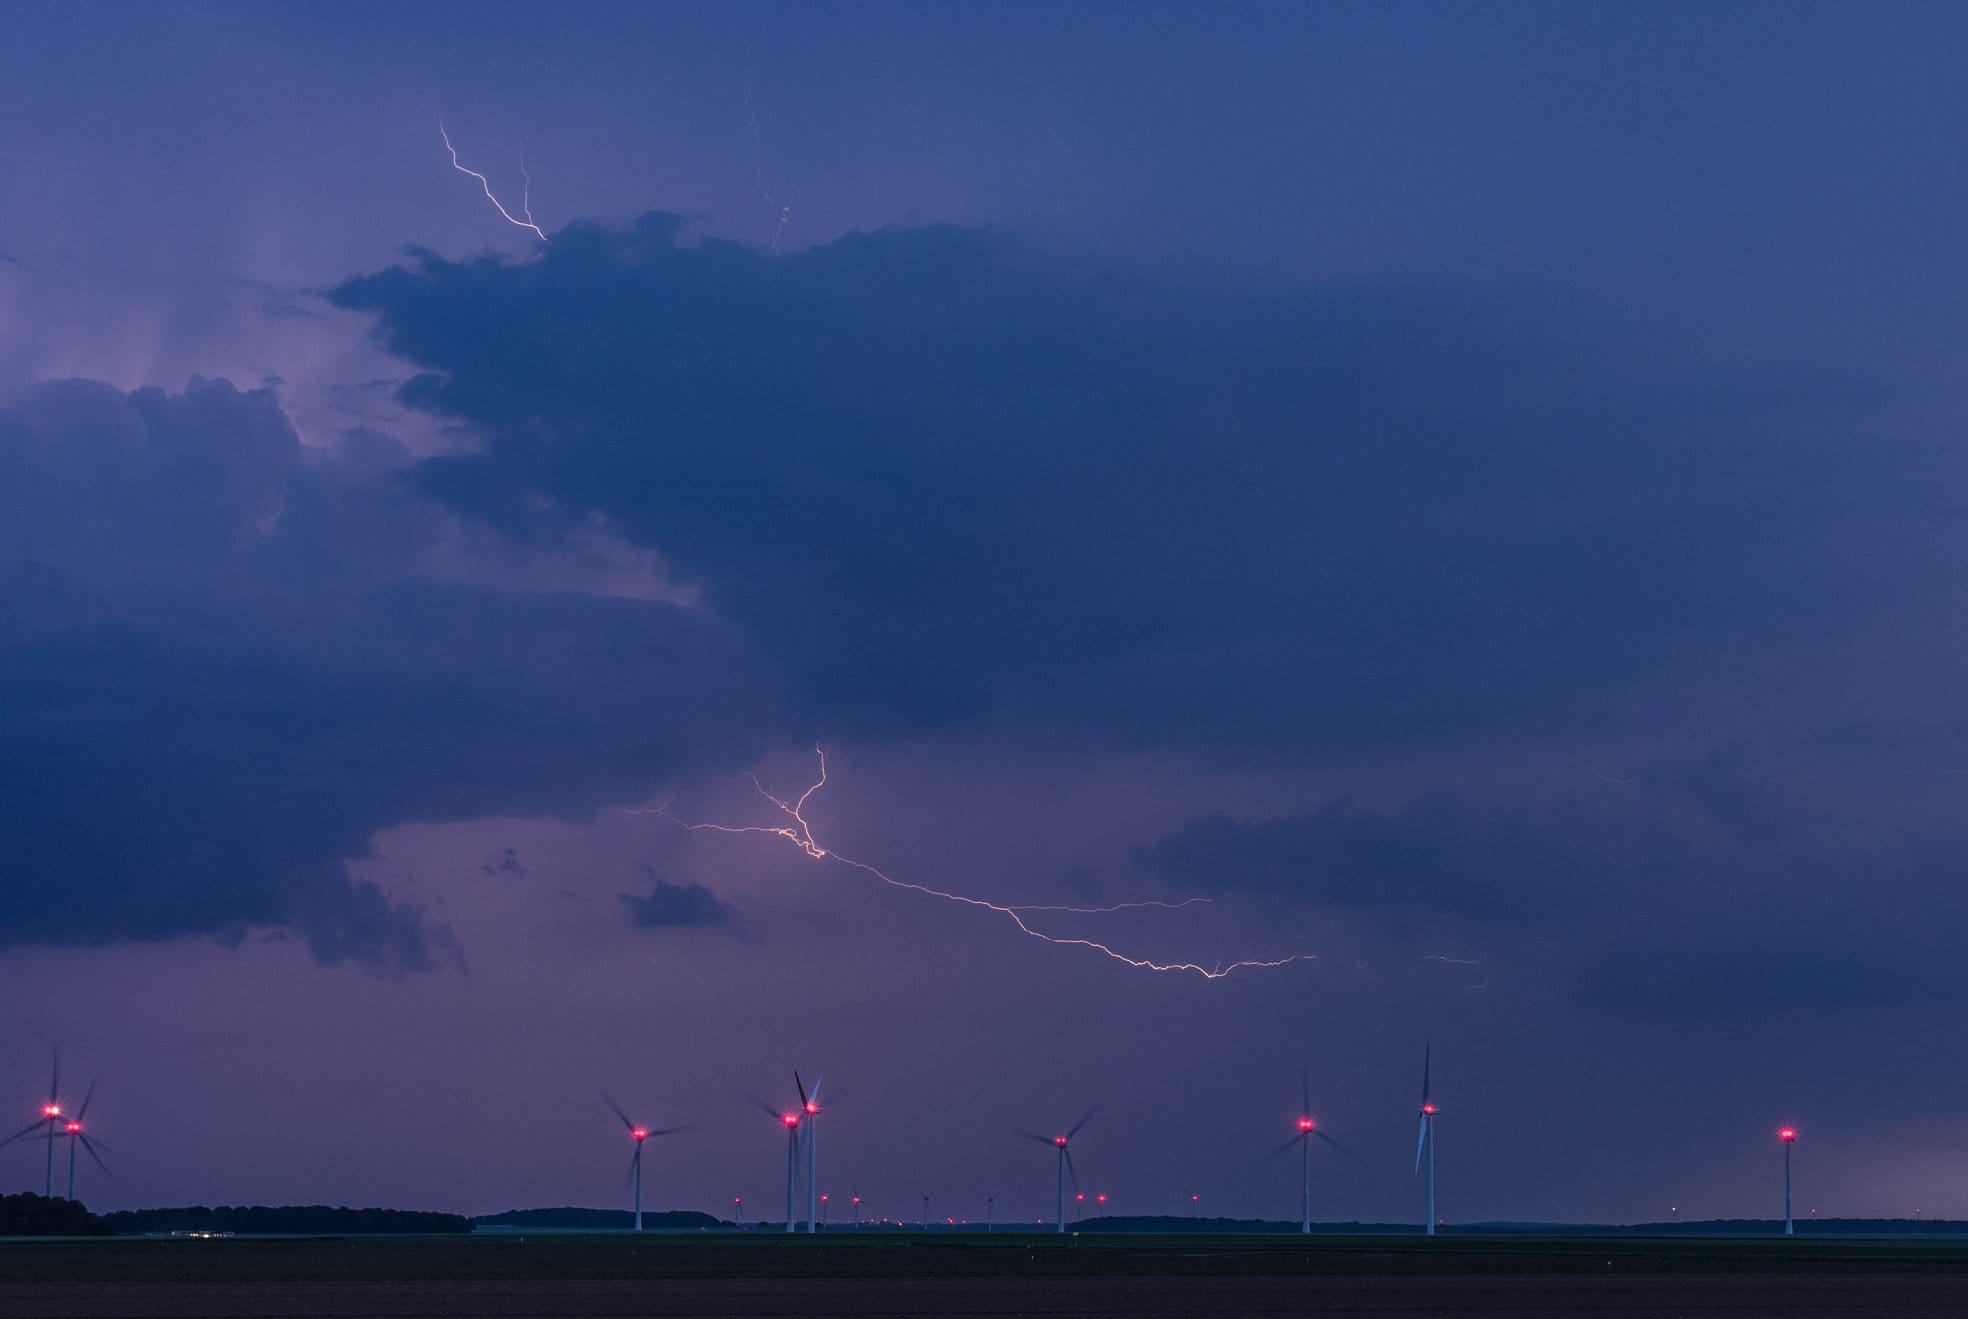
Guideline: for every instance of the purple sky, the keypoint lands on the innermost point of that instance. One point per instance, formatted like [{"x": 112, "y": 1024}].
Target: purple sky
[{"x": 1472, "y": 493}]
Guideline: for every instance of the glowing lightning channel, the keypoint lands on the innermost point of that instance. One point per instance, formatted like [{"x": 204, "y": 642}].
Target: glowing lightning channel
[
  {"x": 784, "y": 208},
  {"x": 800, "y": 834},
  {"x": 525, "y": 219}
]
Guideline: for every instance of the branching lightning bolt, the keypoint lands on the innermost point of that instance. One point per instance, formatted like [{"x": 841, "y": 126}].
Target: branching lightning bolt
[
  {"x": 800, "y": 834},
  {"x": 784, "y": 208},
  {"x": 524, "y": 219}
]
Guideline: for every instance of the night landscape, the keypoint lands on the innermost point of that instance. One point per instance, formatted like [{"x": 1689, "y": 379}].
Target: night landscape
[{"x": 983, "y": 659}]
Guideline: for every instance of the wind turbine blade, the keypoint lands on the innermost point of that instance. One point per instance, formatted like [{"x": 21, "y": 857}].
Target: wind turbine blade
[
  {"x": 814, "y": 1097},
  {"x": 54, "y": 1078},
  {"x": 25, "y": 1132},
  {"x": 1074, "y": 1130},
  {"x": 92, "y": 1146},
  {"x": 671, "y": 1131},
  {"x": 1421, "y": 1138},
  {"x": 1284, "y": 1147},
  {"x": 99, "y": 1143},
  {"x": 83, "y": 1111},
  {"x": 1339, "y": 1145},
  {"x": 1304, "y": 1091},
  {"x": 804, "y": 1101},
  {"x": 775, "y": 1114},
  {"x": 1426, "y": 1051},
  {"x": 1016, "y": 1131},
  {"x": 616, "y": 1109},
  {"x": 1072, "y": 1174},
  {"x": 628, "y": 1173}
]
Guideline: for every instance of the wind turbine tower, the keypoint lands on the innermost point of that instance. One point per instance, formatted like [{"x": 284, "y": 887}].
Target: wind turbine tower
[
  {"x": 639, "y": 1134},
  {"x": 791, "y": 1122},
  {"x": 77, "y": 1136},
  {"x": 47, "y": 1123},
  {"x": 810, "y": 1106},
  {"x": 1307, "y": 1129},
  {"x": 1064, "y": 1159},
  {"x": 1426, "y": 1137},
  {"x": 1788, "y": 1136}
]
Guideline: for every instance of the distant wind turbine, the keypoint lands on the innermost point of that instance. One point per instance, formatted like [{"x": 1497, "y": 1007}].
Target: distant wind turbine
[
  {"x": 1307, "y": 1129},
  {"x": 639, "y": 1134},
  {"x": 791, "y": 1122},
  {"x": 1426, "y": 1136},
  {"x": 1065, "y": 1158},
  {"x": 50, "y": 1119},
  {"x": 77, "y": 1136},
  {"x": 927, "y": 1196},
  {"x": 1788, "y": 1136},
  {"x": 810, "y": 1106}
]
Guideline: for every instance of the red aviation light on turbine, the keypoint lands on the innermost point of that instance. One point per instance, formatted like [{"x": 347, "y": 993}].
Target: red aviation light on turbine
[
  {"x": 1306, "y": 1124},
  {"x": 640, "y": 1133},
  {"x": 74, "y": 1127},
  {"x": 1787, "y": 1135},
  {"x": 790, "y": 1119},
  {"x": 51, "y": 1110},
  {"x": 1059, "y": 1141}
]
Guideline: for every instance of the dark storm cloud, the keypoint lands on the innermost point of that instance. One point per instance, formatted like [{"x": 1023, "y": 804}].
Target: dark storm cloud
[
  {"x": 1435, "y": 853},
  {"x": 1639, "y": 903},
  {"x": 669, "y": 905},
  {"x": 506, "y": 863},
  {"x": 223, "y": 669},
  {"x": 938, "y": 476}
]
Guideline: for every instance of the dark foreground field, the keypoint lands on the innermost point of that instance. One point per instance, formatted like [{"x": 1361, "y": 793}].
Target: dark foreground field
[{"x": 565, "y": 1275}]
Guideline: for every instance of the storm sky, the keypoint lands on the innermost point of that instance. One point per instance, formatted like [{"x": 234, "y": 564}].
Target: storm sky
[{"x": 1463, "y": 502}]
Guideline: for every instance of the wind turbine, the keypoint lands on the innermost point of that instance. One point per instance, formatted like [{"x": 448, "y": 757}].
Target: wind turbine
[
  {"x": 990, "y": 1201},
  {"x": 1788, "y": 1136},
  {"x": 639, "y": 1134},
  {"x": 77, "y": 1136},
  {"x": 927, "y": 1196},
  {"x": 1065, "y": 1158},
  {"x": 51, "y": 1117},
  {"x": 1307, "y": 1129},
  {"x": 791, "y": 1122},
  {"x": 1426, "y": 1136},
  {"x": 810, "y": 1105}
]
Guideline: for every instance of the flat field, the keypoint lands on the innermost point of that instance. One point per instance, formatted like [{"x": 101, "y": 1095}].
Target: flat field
[{"x": 891, "y": 1274}]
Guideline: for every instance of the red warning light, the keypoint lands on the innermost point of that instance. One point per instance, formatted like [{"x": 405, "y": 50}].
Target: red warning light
[
  {"x": 74, "y": 1127},
  {"x": 790, "y": 1119},
  {"x": 51, "y": 1110},
  {"x": 1428, "y": 1109},
  {"x": 640, "y": 1133},
  {"x": 1305, "y": 1124},
  {"x": 1787, "y": 1135}
]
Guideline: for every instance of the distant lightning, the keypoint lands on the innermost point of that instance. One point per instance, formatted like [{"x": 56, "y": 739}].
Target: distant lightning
[
  {"x": 800, "y": 834},
  {"x": 1600, "y": 774},
  {"x": 784, "y": 208},
  {"x": 525, "y": 219}
]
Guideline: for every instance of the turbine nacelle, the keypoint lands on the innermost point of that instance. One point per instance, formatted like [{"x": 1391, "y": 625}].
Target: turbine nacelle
[
  {"x": 640, "y": 1133},
  {"x": 51, "y": 1110},
  {"x": 1787, "y": 1135},
  {"x": 74, "y": 1128},
  {"x": 1428, "y": 1110},
  {"x": 1306, "y": 1124}
]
